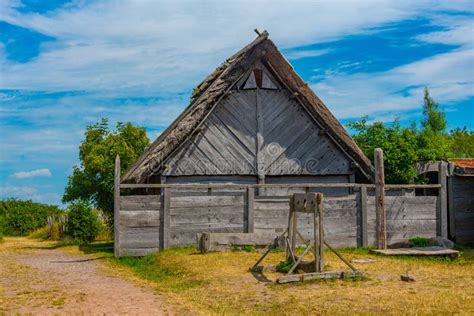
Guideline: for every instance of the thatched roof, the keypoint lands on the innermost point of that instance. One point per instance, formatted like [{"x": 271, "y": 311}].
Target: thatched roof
[{"x": 209, "y": 92}]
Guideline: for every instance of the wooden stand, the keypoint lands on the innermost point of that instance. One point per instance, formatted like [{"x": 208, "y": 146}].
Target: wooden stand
[{"x": 306, "y": 203}]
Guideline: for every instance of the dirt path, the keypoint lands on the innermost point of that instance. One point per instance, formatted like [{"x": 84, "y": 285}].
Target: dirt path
[{"x": 35, "y": 279}]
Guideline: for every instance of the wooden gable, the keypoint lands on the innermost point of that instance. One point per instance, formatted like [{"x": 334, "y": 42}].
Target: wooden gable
[{"x": 258, "y": 129}]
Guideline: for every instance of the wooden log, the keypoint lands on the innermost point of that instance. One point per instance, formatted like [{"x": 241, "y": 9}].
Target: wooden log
[
  {"x": 443, "y": 199},
  {"x": 363, "y": 217},
  {"x": 380, "y": 199},
  {"x": 117, "y": 207}
]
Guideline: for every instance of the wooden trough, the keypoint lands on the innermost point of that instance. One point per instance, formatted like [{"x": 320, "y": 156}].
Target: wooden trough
[{"x": 418, "y": 251}]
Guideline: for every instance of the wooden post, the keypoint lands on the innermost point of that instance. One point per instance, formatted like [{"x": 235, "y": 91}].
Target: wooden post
[
  {"x": 443, "y": 200},
  {"x": 250, "y": 207},
  {"x": 290, "y": 228},
  {"x": 380, "y": 200},
  {"x": 319, "y": 234},
  {"x": 166, "y": 198},
  {"x": 451, "y": 210},
  {"x": 260, "y": 143},
  {"x": 363, "y": 217},
  {"x": 117, "y": 207}
]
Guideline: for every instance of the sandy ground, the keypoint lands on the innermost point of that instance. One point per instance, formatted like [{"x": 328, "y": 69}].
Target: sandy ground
[{"x": 40, "y": 280}]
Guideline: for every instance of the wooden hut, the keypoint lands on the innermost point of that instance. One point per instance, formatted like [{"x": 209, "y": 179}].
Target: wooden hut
[{"x": 253, "y": 120}]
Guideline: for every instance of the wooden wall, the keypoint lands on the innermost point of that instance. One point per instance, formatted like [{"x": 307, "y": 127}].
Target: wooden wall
[
  {"x": 152, "y": 222},
  {"x": 140, "y": 222},
  {"x": 406, "y": 217},
  {"x": 258, "y": 131},
  {"x": 461, "y": 208}
]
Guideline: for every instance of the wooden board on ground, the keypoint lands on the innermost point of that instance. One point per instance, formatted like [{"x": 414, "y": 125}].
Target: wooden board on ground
[
  {"x": 418, "y": 251},
  {"x": 317, "y": 276}
]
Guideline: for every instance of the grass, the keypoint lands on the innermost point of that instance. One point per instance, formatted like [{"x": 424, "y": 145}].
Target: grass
[{"x": 220, "y": 283}]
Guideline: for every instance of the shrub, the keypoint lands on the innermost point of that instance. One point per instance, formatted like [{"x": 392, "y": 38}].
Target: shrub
[
  {"x": 82, "y": 223},
  {"x": 419, "y": 242},
  {"x": 19, "y": 218}
]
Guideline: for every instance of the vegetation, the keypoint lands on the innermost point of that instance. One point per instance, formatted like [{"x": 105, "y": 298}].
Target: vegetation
[
  {"x": 405, "y": 146},
  {"x": 419, "y": 242},
  {"x": 19, "y": 218},
  {"x": 93, "y": 179},
  {"x": 82, "y": 223}
]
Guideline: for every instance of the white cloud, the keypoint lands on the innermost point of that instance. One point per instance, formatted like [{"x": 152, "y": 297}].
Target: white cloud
[
  {"x": 32, "y": 174},
  {"x": 29, "y": 193},
  {"x": 14, "y": 191},
  {"x": 298, "y": 54},
  {"x": 449, "y": 77},
  {"x": 141, "y": 48}
]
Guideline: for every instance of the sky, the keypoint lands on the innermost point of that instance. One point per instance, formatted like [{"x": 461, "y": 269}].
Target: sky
[{"x": 66, "y": 64}]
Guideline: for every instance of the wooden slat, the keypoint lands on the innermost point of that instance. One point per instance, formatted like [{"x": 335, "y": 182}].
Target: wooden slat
[{"x": 140, "y": 218}]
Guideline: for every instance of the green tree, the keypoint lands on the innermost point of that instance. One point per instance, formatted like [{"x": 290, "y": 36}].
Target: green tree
[
  {"x": 434, "y": 119},
  {"x": 93, "y": 179},
  {"x": 399, "y": 145},
  {"x": 433, "y": 141},
  {"x": 462, "y": 143}
]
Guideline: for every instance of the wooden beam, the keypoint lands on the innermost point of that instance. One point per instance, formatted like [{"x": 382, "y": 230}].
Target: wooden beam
[
  {"x": 260, "y": 141},
  {"x": 165, "y": 205},
  {"x": 380, "y": 200},
  {"x": 319, "y": 234},
  {"x": 117, "y": 207},
  {"x": 443, "y": 199},
  {"x": 250, "y": 209},
  {"x": 363, "y": 217},
  {"x": 277, "y": 185}
]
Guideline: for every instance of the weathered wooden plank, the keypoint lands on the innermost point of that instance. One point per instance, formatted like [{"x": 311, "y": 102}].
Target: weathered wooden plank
[
  {"x": 250, "y": 210},
  {"x": 139, "y": 198},
  {"x": 166, "y": 198},
  {"x": 143, "y": 240},
  {"x": 443, "y": 199},
  {"x": 210, "y": 218},
  {"x": 204, "y": 201},
  {"x": 137, "y": 252},
  {"x": 140, "y": 218},
  {"x": 363, "y": 217},
  {"x": 138, "y": 230}
]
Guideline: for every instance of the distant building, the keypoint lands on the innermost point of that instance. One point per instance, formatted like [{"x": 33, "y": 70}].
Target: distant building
[{"x": 460, "y": 183}]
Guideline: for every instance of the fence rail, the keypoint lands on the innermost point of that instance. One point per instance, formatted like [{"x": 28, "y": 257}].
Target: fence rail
[{"x": 279, "y": 185}]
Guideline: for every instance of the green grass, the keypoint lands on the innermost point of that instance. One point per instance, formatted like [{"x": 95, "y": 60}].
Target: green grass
[
  {"x": 419, "y": 242},
  {"x": 152, "y": 268}
]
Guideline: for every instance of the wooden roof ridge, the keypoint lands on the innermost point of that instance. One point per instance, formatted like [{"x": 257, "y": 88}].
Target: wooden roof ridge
[{"x": 212, "y": 89}]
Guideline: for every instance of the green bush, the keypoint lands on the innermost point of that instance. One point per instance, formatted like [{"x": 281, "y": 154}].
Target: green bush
[
  {"x": 19, "y": 218},
  {"x": 419, "y": 242},
  {"x": 82, "y": 223}
]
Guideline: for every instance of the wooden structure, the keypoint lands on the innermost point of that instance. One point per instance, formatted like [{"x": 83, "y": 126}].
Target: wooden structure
[
  {"x": 253, "y": 134},
  {"x": 311, "y": 203},
  {"x": 253, "y": 121},
  {"x": 456, "y": 198}
]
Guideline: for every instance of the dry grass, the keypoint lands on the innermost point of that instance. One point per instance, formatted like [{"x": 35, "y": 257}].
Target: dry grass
[
  {"x": 219, "y": 283},
  {"x": 22, "y": 285}
]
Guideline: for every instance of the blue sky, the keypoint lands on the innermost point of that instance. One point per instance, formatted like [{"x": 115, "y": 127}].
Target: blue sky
[{"x": 67, "y": 64}]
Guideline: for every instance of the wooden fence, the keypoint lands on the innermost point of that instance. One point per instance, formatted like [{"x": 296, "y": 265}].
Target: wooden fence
[{"x": 148, "y": 223}]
